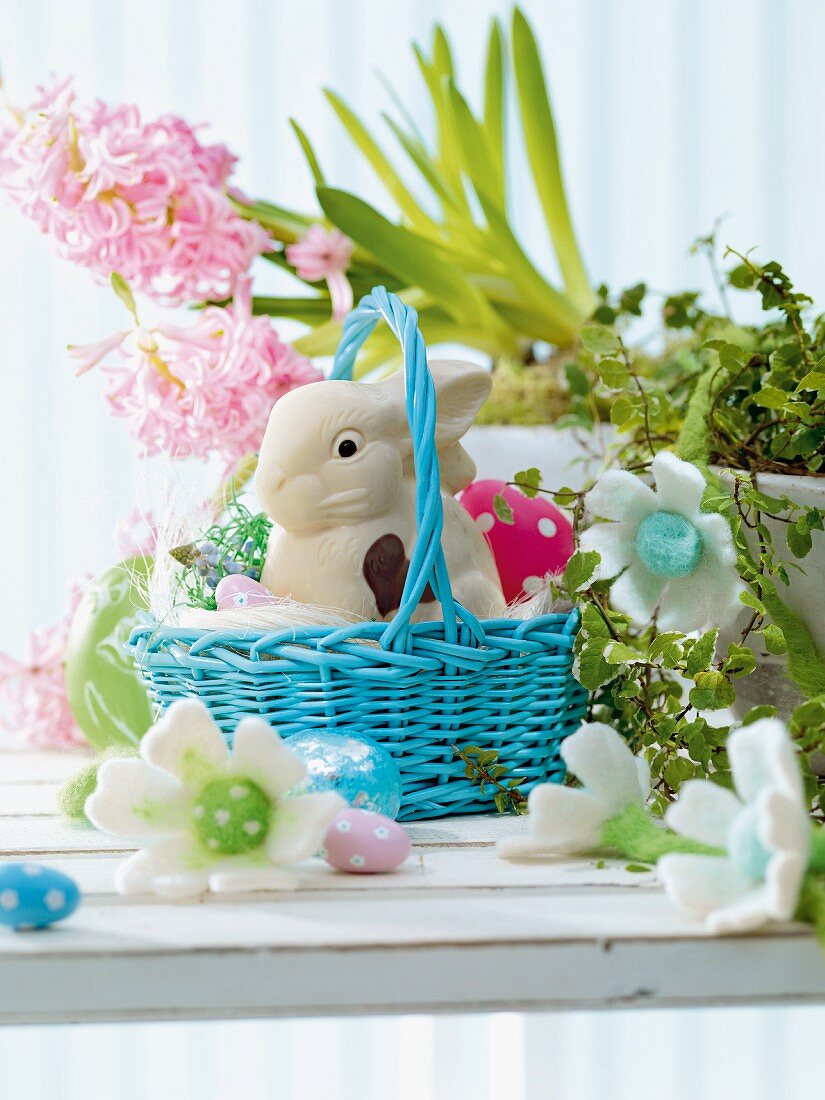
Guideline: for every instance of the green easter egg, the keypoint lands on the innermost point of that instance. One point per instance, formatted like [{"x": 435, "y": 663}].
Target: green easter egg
[{"x": 106, "y": 693}]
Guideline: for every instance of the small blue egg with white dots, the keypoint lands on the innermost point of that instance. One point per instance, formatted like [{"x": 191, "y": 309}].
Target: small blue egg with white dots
[{"x": 33, "y": 896}]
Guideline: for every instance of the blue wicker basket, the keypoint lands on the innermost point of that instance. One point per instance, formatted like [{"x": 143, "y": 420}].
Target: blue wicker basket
[{"x": 418, "y": 689}]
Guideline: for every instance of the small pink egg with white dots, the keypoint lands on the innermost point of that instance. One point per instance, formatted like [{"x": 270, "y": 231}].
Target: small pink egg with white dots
[
  {"x": 240, "y": 591},
  {"x": 365, "y": 843},
  {"x": 539, "y": 540}
]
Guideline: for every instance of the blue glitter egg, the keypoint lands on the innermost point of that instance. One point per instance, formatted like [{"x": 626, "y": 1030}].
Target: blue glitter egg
[
  {"x": 358, "y": 769},
  {"x": 668, "y": 544}
]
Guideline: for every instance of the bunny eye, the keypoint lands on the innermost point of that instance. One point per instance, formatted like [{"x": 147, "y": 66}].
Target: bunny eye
[{"x": 347, "y": 444}]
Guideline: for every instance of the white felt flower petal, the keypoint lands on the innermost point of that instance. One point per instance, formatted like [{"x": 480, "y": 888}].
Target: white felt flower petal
[
  {"x": 717, "y": 540},
  {"x": 598, "y": 756},
  {"x": 784, "y": 761},
  {"x": 260, "y": 754},
  {"x": 679, "y": 485},
  {"x": 636, "y": 593},
  {"x": 246, "y": 879},
  {"x": 563, "y": 821},
  {"x": 704, "y": 811},
  {"x": 746, "y": 914},
  {"x": 523, "y": 847},
  {"x": 620, "y": 495},
  {"x": 643, "y": 775},
  {"x": 754, "y": 752},
  {"x": 783, "y": 883},
  {"x": 299, "y": 824},
  {"x": 782, "y": 824},
  {"x": 708, "y": 597},
  {"x": 615, "y": 544},
  {"x": 169, "y": 868},
  {"x": 186, "y": 743},
  {"x": 133, "y": 799},
  {"x": 700, "y": 884}
]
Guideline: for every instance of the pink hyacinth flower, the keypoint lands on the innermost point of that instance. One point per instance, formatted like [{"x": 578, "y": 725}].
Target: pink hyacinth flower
[
  {"x": 34, "y": 706},
  {"x": 117, "y": 194},
  {"x": 325, "y": 254},
  {"x": 203, "y": 388},
  {"x": 136, "y": 534}
]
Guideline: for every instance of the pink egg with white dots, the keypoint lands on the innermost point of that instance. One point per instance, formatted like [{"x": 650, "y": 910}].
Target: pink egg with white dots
[
  {"x": 240, "y": 591},
  {"x": 365, "y": 843},
  {"x": 539, "y": 540}
]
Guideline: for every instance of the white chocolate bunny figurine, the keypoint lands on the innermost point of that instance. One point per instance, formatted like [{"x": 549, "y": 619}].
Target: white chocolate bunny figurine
[{"x": 336, "y": 475}]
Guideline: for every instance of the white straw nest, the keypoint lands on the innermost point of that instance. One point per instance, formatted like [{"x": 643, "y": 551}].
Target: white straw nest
[{"x": 282, "y": 615}]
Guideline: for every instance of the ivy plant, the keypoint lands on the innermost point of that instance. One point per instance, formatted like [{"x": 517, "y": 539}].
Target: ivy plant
[{"x": 737, "y": 400}]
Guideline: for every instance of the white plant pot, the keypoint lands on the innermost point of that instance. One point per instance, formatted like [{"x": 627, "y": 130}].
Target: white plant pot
[
  {"x": 500, "y": 451},
  {"x": 805, "y": 595}
]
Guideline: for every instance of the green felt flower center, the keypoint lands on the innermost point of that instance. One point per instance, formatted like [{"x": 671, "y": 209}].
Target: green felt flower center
[
  {"x": 746, "y": 850},
  {"x": 668, "y": 544},
  {"x": 232, "y": 816}
]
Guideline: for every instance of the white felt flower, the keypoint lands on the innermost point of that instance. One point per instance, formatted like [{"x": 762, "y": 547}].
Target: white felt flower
[
  {"x": 763, "y": 828},
  {"x": 564, "y": 820},
  {"x": 671, "y": 556},
  {"x": 214, "y": 820}
]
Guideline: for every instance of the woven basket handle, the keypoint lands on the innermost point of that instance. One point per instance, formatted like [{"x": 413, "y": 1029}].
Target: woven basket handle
[{"x": 427, "y": 565}]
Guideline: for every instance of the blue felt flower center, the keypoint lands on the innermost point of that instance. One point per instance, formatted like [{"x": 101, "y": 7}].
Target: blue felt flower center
[
  {"x": 746, "y": 850},
  {"x": 668, "y": 544}
]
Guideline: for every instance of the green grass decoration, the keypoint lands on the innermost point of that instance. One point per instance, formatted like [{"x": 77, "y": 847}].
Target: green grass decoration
[{"x": 235, "y": 545}]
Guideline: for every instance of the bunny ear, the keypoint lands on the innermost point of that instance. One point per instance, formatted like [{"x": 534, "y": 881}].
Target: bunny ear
[{"x": 461, "y": 389}]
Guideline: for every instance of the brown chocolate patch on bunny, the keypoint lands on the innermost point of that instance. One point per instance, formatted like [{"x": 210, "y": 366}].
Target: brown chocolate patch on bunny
[{"x": 385, "y": 571}]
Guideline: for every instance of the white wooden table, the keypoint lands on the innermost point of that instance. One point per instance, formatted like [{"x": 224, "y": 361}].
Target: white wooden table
[{"x": 456, "y": 929}]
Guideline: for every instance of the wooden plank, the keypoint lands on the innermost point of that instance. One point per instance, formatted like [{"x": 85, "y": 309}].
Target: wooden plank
[
  {"x": 302, "y": 955},
  {"x": 455, "y": 929},
  {"x": 426, "y": 869},
  {"x": 41, "y": 767},
  {"x": 28, "y": 800},
  {"x": 32, "y": 834}
]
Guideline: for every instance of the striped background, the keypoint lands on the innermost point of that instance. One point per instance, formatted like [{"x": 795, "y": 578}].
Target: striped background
[{"x": 671, "y": 112}]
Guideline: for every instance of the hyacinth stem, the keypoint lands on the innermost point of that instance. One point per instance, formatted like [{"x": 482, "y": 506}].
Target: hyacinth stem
[{"x": 234, "y": 482}]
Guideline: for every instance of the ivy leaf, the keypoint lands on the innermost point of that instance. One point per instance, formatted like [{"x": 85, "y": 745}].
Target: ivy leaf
[
  {"x": 529, "y": 481},
  {"x": 623, "y": 410},
  {"x": 619, "y": 653},
  {"x": 742, "y": 277},
  {"x": 740, "y": 661},
  {"x": 701, "y": 653},
  {"x": 813, "y": 380},
  {"x": 677, "y": 771},
  {"x": 590, "y": 668},
  {"x": 580, "y": 570},
  {"x": 613, "y": 373},
  {"x": 666, "y": 648},
  {"x": 750, "y": 600},
  {"x": 577, "y": 381},
  {"x": 769, "y": 397},
  {"x": 774, "y": 506},
  {"x": 713, "y": 691},
  {"x": 755, "y": 713},
  {"x": 632, "y": 298},
  {"x": 503, "y": 510},
  {"x": 600, "y": 340},
  {"x": 774, "y": 638},
  {"x": 799, "y": 539}
]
